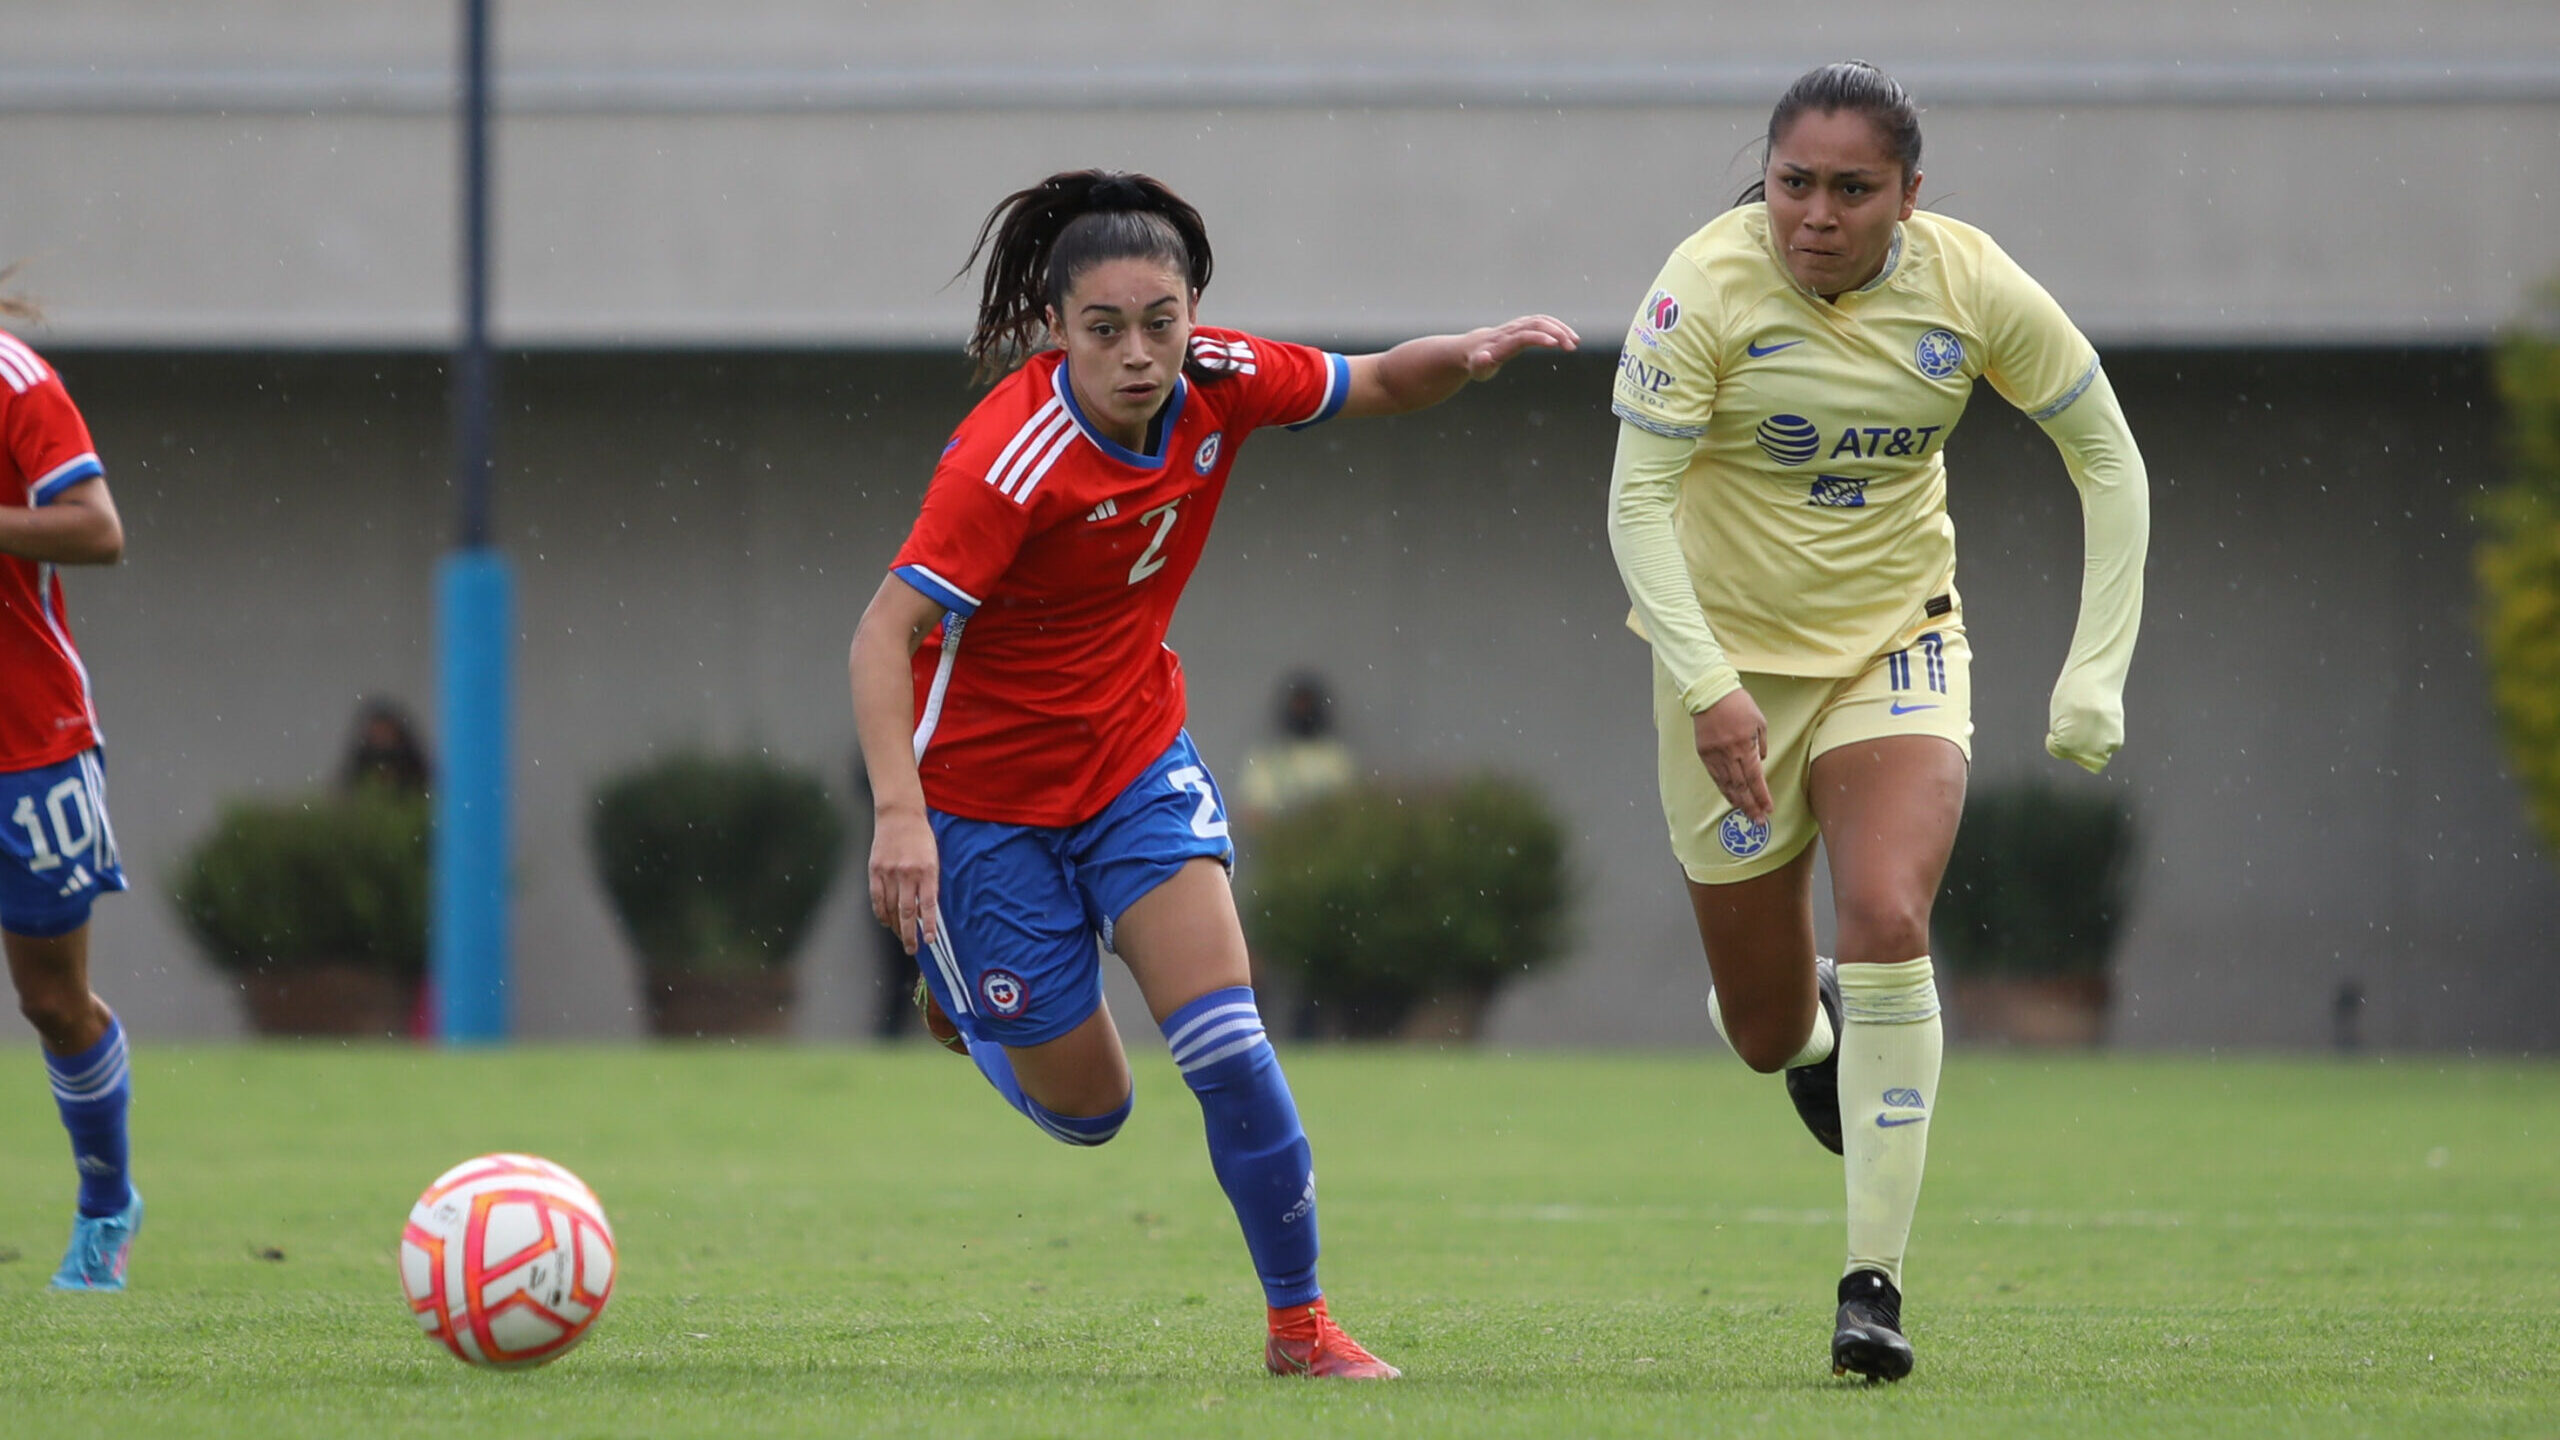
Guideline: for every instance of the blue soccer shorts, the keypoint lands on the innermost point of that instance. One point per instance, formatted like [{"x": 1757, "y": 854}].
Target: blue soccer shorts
[
  {"x": 57, "y": 851},
  {"x": 1023, "y": 905}
]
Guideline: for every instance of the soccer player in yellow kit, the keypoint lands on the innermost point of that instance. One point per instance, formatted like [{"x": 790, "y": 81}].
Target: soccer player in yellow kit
[{"x": 1778, "y": 512}]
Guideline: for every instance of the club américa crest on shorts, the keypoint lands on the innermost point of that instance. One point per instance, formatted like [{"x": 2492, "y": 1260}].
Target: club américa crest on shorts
[
  {"x": 1741, "y": 836},
  {"x": 1004, "y": 992}
]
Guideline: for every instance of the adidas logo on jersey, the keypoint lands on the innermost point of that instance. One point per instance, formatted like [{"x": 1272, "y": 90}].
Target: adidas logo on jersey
[
  {"x": 1226, "y": 355},
  {"x": 1105, "y": 510}
]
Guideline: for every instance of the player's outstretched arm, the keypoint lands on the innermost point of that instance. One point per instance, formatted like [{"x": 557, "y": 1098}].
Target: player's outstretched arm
[
  {"x": 1419, "y": 374},
  {"x": 77, "y": 527},
  {"x": 906, "y": 866},
  {"x": 2087, "y": 724}
]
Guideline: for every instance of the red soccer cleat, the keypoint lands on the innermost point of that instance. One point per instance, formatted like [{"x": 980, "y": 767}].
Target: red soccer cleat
[
  {"x": 1305, "y": 1341},
  {"x": 937, "y": 1024}
]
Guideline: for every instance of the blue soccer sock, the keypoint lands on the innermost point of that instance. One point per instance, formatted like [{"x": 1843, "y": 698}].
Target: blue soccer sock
[
  {"x": 1256, "y": 1145},
  {"x": 92, "y": 1090},
  {"x": 997, "y": 1066}
]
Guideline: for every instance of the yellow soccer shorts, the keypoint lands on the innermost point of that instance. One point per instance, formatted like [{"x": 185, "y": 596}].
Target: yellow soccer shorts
[{"x": 1923, "y": 688}]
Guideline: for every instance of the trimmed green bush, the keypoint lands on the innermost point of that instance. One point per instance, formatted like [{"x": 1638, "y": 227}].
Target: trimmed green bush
[
  {"x": 2518, "y": 565},
  {"x": 1383, "y": 895},
  {"x": 715, "y": 864},
  {"x": 290, "y": 884},
  {"x": 2037, "y": 884}
]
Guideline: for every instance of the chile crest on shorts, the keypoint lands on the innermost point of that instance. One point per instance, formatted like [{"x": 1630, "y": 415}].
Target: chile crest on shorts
[{"x": 1004, "y": 992}]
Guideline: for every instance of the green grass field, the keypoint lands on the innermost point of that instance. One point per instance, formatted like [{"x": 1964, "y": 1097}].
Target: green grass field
[{"x": 856, "y": 1242}]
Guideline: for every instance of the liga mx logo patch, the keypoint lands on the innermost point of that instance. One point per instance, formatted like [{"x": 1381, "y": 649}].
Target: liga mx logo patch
[
  {"x": 1004, "y": 992},
  {"x": 1661, "y": 312},
  {"x": 1207, "y": 455},
  {"x": 1742, "y": 838},
  {"x": 1939, "y": 354}
]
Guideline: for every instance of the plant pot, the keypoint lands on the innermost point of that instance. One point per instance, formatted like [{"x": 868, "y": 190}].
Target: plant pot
[
  {"x": 329, "y": 999},
  {"x": 746, "y": 1002},
  {"x": 2052, "y": 1010}
]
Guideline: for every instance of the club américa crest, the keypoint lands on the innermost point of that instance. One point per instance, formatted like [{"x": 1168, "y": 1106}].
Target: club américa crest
[
  {"x": 1742, "y": 836},
  {"x": 1939, "y": 354}
]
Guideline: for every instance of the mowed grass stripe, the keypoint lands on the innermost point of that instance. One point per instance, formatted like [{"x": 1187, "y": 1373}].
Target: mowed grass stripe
[{"x": 856, "y": 1241}]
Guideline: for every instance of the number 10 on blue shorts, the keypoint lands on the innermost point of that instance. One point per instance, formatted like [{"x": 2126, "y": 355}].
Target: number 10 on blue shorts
[{"x": 57, "y": 851}]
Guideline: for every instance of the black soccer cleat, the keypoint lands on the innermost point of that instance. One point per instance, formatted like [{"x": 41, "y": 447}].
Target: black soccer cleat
[
  {"x": 1866, "y": 1339},
  {"x": 1816, "y": 1087}
]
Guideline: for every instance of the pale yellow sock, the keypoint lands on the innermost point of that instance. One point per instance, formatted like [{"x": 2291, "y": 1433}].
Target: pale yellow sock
[
  {"x": 1815, "y": 1047},
  {"x": 1890, "y": 1047}
]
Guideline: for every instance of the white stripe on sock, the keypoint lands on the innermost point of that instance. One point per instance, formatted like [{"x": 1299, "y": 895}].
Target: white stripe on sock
[
  {"x": 1226, "y": 1013},
  {"x": 1237, "y": 1047}
]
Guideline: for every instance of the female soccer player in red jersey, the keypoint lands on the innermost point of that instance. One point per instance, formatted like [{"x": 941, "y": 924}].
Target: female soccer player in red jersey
[
  {"x": 1022, "y": 718},
  {"x": 57, "y": 851},
  {"x": 1779, "y": 514}
]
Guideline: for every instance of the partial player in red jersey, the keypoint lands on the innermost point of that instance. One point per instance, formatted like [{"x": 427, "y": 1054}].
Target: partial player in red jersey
[
  {"x": 57, "y": 851},
  {"x": 1022, "y": 717}
]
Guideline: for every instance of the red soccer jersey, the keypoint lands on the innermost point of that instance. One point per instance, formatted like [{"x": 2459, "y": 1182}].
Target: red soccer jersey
[
  {"x": 1060, "y": 554},
  {"x": 45, "y": 714}
]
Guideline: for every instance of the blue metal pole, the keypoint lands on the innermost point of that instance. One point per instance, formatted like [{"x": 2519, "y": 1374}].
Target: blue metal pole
[
  {"x": 475, "y": 608},
  {"x": 475, "y": 598}
]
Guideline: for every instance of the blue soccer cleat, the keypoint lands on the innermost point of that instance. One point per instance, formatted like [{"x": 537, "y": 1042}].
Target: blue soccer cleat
[{"x": 99, "y": 1247}]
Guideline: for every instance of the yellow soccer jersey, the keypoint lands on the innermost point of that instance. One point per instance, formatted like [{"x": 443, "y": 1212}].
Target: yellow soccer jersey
[{"x": 1813, "y": 518}]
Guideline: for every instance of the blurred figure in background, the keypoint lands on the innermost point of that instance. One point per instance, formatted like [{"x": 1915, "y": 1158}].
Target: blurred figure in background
[
  {"x": 57, "y": 849},
  {"x": 385, "y": 752},
  {"x": 385, "y": 757},
  {"x": 1307, "y": 762}
]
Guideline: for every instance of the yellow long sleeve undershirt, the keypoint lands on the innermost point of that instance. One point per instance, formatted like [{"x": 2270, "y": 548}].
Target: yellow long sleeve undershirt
[
  {"x": 2087, "y": 716},
  {"x": 1644, "y": 492}
]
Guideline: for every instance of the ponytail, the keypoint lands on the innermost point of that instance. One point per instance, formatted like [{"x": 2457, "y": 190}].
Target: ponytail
[
  {"x": 17, "y": 307},
  {"x": 1038, "y": 241},
  {"x": 1854, "y": 86}
]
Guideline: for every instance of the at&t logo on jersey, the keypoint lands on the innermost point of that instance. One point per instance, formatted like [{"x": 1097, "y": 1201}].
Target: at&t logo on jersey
[
  {"x": 1789, "y": 439},
  {"x": 1741, "y": 836},
  {"x": 1004, "y": 992},
  {"x": 1793, "y": 439},
  {"x": 1939, "y": 354},
  {"x": 1207, "y": 456}
]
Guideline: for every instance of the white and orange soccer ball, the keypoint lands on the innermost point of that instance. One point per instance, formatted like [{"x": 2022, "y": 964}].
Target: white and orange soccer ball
[{"x": 508, "y": 1260}]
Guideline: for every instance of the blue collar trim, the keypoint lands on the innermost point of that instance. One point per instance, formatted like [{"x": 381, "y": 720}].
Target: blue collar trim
[{"x": 1162, "y": 426}]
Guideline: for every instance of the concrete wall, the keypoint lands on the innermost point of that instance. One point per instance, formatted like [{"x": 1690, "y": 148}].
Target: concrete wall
[
  {"x": 781, "y": 172},
  {"x": 2310, "y": 754}
]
